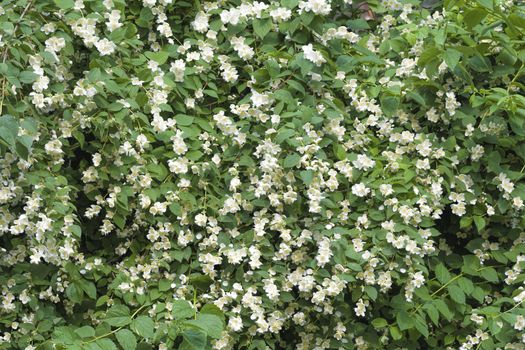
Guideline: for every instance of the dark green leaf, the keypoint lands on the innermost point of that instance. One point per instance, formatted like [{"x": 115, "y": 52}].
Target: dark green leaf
[{"x": 195, "y": 339}]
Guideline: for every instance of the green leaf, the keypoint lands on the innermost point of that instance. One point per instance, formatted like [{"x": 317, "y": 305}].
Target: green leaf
[
  {"x": 479, "y": 222},
  {"x": 432, "y": 313},
  {"x": 160, "y": 57},
  {"x": 211, "y": 324},
  {"x": 143, "y": 326},
  {"x": 27, "y": 77},
  {"x": 307, "y": 176},
  {"x": 414, "y": 95},
  {"x": 118, "y": 321},
  {"x": 421, "y": 326},
  {"x": 291, "y": 160},
  {"x": 8, "y": 129},
  {"x": 452, "y": 58},
  {"x": 118, "y": 316},
  {"x": 443, "y": 309},
  {"x": 442, "y": 273},
  {"x": 74, "y": 293},
  {"x": 285, "y": 96},
  {"x": 106, "y": 344},
  {"x": 88, "y": 287},
  {"x": 261, "y": 27},
  {"x": 65, "y": 4},
  {"x": 389, "y": 104},
  {"x": 466, "y": 285},
  {"x": 85, "y": 331},
  {"x": 489, "y": 4},
  {"x": 379, "y": 323},
  {"x": 200, "y": 281},
  {"x": 371, "y": 292},
  {"x": 517, "y": 20},
  {"x": 474, "y": 16},
  {"x": 126, "y": 339},
  {"x": 290, "y": 3},
  {"x": 195, "y": 339},
  {"x": 184, "y": 120},
  {"x": 429, "y": 54},
  {"x": 182, "y": 309},
  {"x": 395, "y": 333},
  {"x": 296, "y": 86},
  {"x": 456, "y": 294},
  {"x": 404, "y": 320},
  {"x": 490, "y": 274}
]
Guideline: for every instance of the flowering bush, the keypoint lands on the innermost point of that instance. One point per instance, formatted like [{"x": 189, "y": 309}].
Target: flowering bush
[{"x": 262, "y": 175}]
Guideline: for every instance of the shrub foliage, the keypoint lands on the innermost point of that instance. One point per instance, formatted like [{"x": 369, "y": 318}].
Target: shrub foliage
[{"x": 262, "y": 175}]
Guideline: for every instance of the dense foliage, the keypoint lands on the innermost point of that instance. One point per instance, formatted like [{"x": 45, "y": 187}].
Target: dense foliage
[{"x": 262, "y": 175}]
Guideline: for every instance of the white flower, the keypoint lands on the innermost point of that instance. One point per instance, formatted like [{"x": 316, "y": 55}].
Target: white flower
[
  {"x": 363, "y": 162},
  {"x": 200, "y": 220},
  {"x": 517, "y": 203},
  {"x": 360, "y": 190},
  {"x": 178, "y": 166},
  {"x": 235, "y": 324},
  {"x": 55, "y": 44},
  {"x": 520, "y": 323},
  {"x": 260, "y": 100},
  {"x": 113, "y": 20},
  {"x": 360, "y": 309},
  {"x": 386, "y": 189},
  {"x": 319, "y": 7},
  {"x": 105, "y": 47},
  {"x": 280, "y": 14},
  {"x": 200, "y": 24},
  {"x": 312, "y": 55}
]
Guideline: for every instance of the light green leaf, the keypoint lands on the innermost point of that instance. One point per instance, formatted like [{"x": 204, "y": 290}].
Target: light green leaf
[
  {"x": 404, "y": 320},
  {"x": 65, "y": 4},
  {"x": 211, "y": 324},
  {"x": 261, "y": 27},
  {"x": 106, "y": 344},
  {"x": 479, "y": 222},
  {"x": 160, "y": 57},
  {"x": 27, "y": 77},
  {"x": 490, "y": 274},
  {"x": 291, "y": 160},
  {"x": 126, "y": 339},
  {"x": 143, "y": 326},
  {"x": 182, "y": 309},
  {"x": 379, "y": 323},
  {"x": 184, "y": 120},
  {"x": 452, "y": 58},
  {"x": 85, "y": 331},
  {"x": 118, "y": 316}
]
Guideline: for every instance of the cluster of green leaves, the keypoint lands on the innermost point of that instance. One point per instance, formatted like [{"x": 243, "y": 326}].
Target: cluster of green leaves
[{"x": 190, "y": 329}]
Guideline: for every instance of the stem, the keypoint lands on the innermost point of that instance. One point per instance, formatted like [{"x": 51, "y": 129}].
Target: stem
[
  {"x": 115, "y": 330},
  {"x": 447, "y": 284},
  {"x": 195, "y": 303},
  {"x": 509, "y": 310}
]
